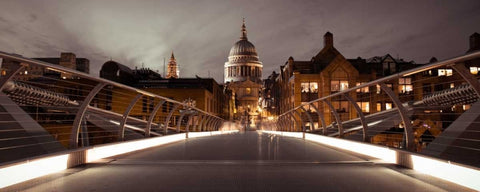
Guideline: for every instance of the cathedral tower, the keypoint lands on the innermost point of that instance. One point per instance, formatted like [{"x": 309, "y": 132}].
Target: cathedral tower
[{"x": 172, "y": 68}]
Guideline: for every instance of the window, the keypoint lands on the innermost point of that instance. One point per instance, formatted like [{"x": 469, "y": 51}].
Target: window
[
  {"x": 474, "y": 70},
  {"x": 338, "y": 85},
  {"x": 4, "y": 72},
  {"x": 362, "y": 90},
  {"x": 452, "y": 85},
  {"x": 405, "y": 85},
  {"x": 379, "y": 106},
  {"x": 248, "y": 91},
  {"x": 445, "y": 72},
  {"x": 389, "y": 68},
  {"x": 427, "y": 88},
  {"x": 309, "y": 87},
  {"x": 466, "y": 107},
  {"x": 388, "y": 106},
  {"x": 365, "y": 106}
]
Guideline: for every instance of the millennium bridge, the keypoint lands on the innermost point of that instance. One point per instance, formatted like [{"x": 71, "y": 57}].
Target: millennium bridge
[{"x": 57, "y": 135}]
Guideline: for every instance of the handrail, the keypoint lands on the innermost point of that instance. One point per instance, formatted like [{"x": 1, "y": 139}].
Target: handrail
[{"x": 22, "y": 59}]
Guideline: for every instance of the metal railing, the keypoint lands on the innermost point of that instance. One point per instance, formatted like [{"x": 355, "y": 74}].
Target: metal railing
[
  {"x": 432, "y": 104},
  {"x": 63, "y": 108}
]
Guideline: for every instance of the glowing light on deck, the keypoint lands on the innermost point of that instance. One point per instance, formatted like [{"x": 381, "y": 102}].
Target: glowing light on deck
[
  {"x": 116, "y": 149},
  {"x": 454, "y": 173},
  {"x": 32, "y": 169}
]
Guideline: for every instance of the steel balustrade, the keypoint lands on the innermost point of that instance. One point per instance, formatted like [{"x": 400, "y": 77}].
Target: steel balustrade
[
  {"x": 462, "y": 93},
  {"x": 84, "y": 103}
]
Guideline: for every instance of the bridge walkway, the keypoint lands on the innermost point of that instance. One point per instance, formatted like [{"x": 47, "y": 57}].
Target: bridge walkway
[{"x": 245, "y": 161}]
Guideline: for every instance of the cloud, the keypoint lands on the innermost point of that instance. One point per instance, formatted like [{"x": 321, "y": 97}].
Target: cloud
[{"x": 202, "y": 32}]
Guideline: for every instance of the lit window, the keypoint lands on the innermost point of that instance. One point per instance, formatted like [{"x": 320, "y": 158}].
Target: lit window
[
  {"x": 4, "y": 72},
  {"x": 26, "y": 72},
  {"x": 452, "y": 85},
  {"x": 362, "y": 90},
  {"x": 474, "y": 70},
  {"x": 378, "y": 89},
  {"x": 405, "y": 85},
  {"x": 445, "y": 72},
  {"x": 379, "y": 106},
  {"x": 466, "y": 107},
  {"x": 338, "y": 85},
  {"x": 248, "y": 91},
  {"x": 449, "y": 72},
  {"x": 388, "y": 106},
  {"x": 365, "y": 106},
  {"x": 309, "y": 87}
]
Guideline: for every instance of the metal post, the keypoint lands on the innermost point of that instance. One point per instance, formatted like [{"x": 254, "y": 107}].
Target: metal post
[
  {"x": 151, "y": 117},
  {"x": 301, "y": 121},
  {"x": 202, "y": 123},
  {"x": 167, "y": 120},
  {"x": 179, "y": 122},
  {"x": 409, "y": 138},
  {"x": 121, "y": 131},
  {"x": 81, "y": 112},
  {"x": 469, "y": 78},
  {"x": 294, "y": 121},
  {"x": 284, "y": 122},
  {"x": 205, "y": 123},
  {"x": 196, "y": 121},
  {"x": 309, "y": 117},
  {"x": 189, "y": 121},
  {"x": 321, "y": 118},
  {"x": 337, "y": 118},
  {"x": 360, "y": 115}
]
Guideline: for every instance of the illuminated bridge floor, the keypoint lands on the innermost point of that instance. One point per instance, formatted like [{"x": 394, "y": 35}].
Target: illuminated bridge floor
[{"x": 241, "y": 162}]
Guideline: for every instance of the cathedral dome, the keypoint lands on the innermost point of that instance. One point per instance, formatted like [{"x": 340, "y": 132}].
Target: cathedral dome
[
  {"x": 243, "y": 47},
  {"x": 243, "y": 51}
]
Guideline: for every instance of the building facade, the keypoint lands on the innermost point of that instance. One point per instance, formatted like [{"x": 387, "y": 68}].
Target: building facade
[
  {"x": 68, "y": 60},
  {"x": 329, "y": 72},
  {"x": 243, "y": 73},
  {"x": 206, "y": 93}
]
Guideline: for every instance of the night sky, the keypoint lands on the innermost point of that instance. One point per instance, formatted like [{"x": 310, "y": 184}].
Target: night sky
[{"x": 201, "y": 33}]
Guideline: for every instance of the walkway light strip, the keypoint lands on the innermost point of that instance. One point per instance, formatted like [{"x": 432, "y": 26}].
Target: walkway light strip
[
  {"x": 32, "y": 169},
  {"x": 97, "y": 153},
  {"x": 458, "y": 174},
  {"x": 383, "y": 153},
  {"x": 454, "y": 173},
  {"x": 211, "y": 133}
]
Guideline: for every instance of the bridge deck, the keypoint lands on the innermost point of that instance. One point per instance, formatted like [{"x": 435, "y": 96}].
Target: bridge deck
[{"x": 241, "y": 162}]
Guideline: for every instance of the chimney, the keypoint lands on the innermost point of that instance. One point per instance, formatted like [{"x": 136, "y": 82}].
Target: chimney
[
  {"x": 474, "y": 42},
  {"x": 328, "y": 40}
]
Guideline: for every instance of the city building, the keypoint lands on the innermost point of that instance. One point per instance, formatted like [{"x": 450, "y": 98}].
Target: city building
[
  {"x": 206, "y": 93},
  {"x": 243, "y": 73},
  {"x": 329, "y": 72},
  {"x": 68, "y": 60}
]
